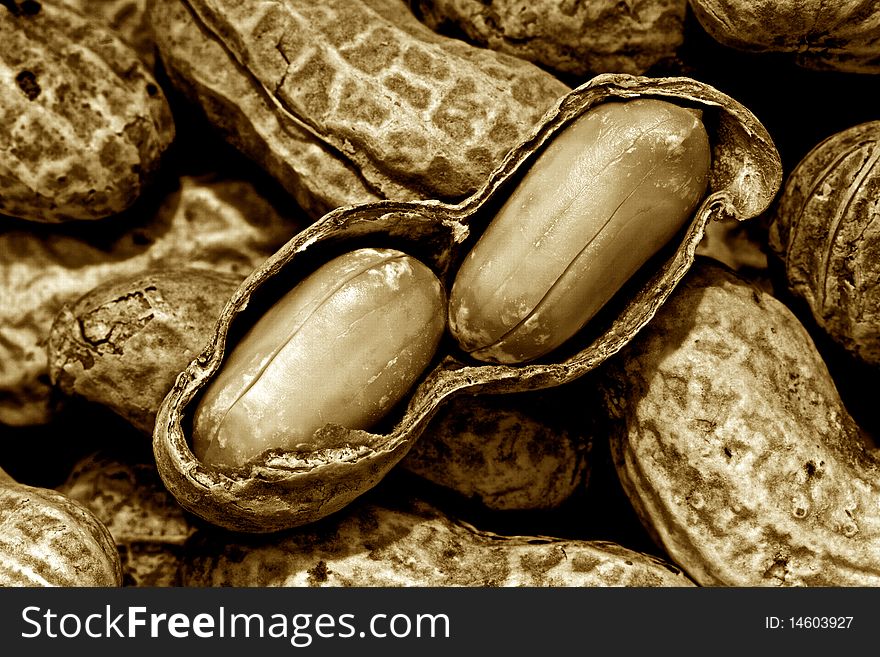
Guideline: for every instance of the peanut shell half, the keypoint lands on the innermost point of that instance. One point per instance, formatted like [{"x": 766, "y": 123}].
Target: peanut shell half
[
  {"x": 734, "y": 447},
  {"x": 287, "y": 489}
]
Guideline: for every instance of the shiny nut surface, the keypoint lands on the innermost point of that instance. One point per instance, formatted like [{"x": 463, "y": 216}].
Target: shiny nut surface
[
  {"x": 603, "y": 197},
  {"x": 381, "y": 308}
]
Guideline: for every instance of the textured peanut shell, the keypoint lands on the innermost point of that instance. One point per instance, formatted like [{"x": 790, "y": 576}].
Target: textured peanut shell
[
  {"x": 291, "y": 488},
  {"x": 579, "y": 38},
  {"x": 826, "y": 233},
  {"x": 147, "y": 525},
  {"x": 122, "y": 344},
  {"x": 842, "y": 35},
  {"x": 127, "y": 19},
  {"x": 414, "y": 544},
  {"x": 510, "y": 452},
  {"x": 734, "y": 447},
  {"x": 83, "y": 123},
  {"x": 48, "y": 539},
  {"x": 350, "y": 101},
  {"x": 220, "y": 224}
]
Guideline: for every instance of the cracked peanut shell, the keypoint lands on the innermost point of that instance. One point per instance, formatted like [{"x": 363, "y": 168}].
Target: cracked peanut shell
[
  {"x": 734, "y": 447},
  {"x": 83, "y": 123},
  {"x": 121, "y": 344},
  {"x": 286, "y": 489},
  {"x": 826, "y": 233},
  {"x": 217, "y": 223},
  {"x": 349, "y": 101}
]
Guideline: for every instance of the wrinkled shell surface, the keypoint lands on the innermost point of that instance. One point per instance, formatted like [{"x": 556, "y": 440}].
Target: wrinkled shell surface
[
  {"x": 218, "y": 224},
  {"x": 122, "y": 344},
  {"x": 581, "y": 38},
  {"x": 126, "y": 18},
  {"x": 843, "y": 35},
  {"x": 414, "y": 545},
  {"x": 350, "y": 101},
  {"x": 47, "y": 539},
  {"x": 735, "y": 448},
  {"x": 292, "y": 488},
  {"x": 83, "y": 124},
  {"x": 826, "y": 231},
  {"x": 146, "y": 523},
  {"x": 508, "y": 452}
]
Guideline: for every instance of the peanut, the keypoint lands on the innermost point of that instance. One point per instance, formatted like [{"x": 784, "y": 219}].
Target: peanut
[
  {"x": 125, "y": 493},
  {"x": 414, "y": 544},
  {"x": 351, "y": 100},
  {"x": 48, "y": 539},
  {"x": 842, "y": 36},
  {"x": 579, "y": 38},
  {"x": 381, "y": 308},
  {"x": 734, "y": 447},
  {"x": 507, "y": 452},
  {"x": 210, "y": 222},
  {"x": 123, "y": 343},
  {"x": 83, "y": 123},
  {"x": 826, "y": 234},
  {"x": 606, "y": 194}
]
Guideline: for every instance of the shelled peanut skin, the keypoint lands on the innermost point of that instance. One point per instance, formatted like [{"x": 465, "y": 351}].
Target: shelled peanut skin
[{"x": 734, "y": 447}]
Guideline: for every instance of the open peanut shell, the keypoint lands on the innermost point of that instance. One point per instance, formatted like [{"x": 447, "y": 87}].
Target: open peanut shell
[{"x": 284, "y": 489}]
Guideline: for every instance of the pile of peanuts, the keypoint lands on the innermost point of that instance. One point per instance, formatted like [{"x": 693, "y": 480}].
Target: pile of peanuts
[{"x": 435, "y": 293}]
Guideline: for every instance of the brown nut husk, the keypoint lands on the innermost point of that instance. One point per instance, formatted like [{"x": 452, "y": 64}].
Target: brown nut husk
[
  {"x": 48, "y": 539},
  {"x": 127, "y": 19},
  {"x": 515, "y": 452},
  {"x": 216, "y": 223},
  {"x": 83, "y": 123},
  {"x": 826, "y": 233},
  {"x": 146, "y": 522},
  {"x": 122, "y": 344},
  {"x": 348, "y": 101},
  {"x": 578, "y": 38},
  {"x": 734, "y": 447},
  {"x": 287, "y": 489},
  {"x": 841, "y": 36},
  {"x": 414, "y": 544}
]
